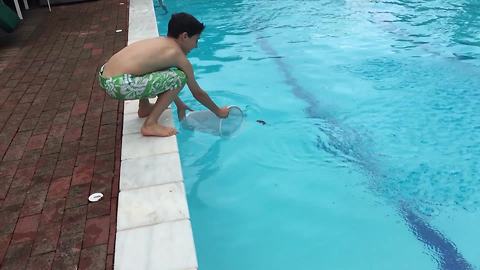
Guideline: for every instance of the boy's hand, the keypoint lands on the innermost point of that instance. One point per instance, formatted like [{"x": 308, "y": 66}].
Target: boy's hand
[
  {"x": 181, "y": 112},
  {"x": 222, "y": 112}
]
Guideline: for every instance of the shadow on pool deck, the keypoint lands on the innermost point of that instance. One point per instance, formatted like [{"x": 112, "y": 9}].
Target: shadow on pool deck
[{"x": 60, "y": 138}]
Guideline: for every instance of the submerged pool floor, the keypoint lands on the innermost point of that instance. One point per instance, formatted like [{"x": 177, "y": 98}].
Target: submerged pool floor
[{"x": 368, "y": 156}]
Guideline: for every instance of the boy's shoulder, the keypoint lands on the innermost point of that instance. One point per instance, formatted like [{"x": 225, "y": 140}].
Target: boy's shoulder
[
  {"x": 164, "y": 40},
  {"x": 165, "y": 43},
  {"x": 159, "y": 45}
]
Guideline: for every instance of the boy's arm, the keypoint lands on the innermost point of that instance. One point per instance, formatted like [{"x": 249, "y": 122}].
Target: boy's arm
[{"x": 197, "y": 92}]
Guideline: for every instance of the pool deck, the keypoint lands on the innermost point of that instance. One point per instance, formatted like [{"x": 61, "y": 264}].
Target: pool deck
[{"x": 61, "y": 140}]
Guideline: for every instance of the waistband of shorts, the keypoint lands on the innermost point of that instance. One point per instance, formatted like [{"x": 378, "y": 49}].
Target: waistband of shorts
[
  {"x": 129, "y": 76},
  {"x": 100, "y": 74}
]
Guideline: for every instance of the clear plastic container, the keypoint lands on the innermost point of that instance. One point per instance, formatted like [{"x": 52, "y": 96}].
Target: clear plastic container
[{"x": 208, "y": 122}]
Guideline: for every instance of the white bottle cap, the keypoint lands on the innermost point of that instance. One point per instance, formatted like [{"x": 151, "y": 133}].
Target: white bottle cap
[{"x": 95, "y": 197}]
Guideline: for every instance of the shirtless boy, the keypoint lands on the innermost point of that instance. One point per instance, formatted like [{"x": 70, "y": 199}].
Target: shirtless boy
[{"x": 158, "y": 67}]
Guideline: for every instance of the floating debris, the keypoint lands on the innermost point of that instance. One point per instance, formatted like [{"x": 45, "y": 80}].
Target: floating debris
[{"x": 261, "y": 122}]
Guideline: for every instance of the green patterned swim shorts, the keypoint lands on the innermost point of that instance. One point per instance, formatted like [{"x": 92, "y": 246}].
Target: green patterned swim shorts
[{"x": 128, "y": 87}]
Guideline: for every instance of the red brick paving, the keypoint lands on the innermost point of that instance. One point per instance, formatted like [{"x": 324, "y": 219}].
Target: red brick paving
[{"x": 60, "y": 138}]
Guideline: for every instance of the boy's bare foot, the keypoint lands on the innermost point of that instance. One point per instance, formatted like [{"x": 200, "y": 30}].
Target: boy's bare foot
[
  {"x": 145, "y": 110},
  {"x": 157, "y": 130}
]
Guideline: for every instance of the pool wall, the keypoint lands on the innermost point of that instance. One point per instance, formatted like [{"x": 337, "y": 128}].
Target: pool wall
[{"x": 153, "y": 224}]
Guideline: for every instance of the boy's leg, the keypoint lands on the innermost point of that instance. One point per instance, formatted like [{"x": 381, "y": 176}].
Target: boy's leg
[
  {"x": 151, "y": 127},
  {"x": 181, "y": 108},
  {"x": 144, "y": 108}
]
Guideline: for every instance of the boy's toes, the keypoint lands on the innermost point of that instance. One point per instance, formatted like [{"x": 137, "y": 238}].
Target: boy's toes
[{"x": 171, "y": 131}]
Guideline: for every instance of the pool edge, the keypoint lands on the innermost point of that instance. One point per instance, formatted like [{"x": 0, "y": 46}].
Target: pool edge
[{"x": 153, "y": 224}]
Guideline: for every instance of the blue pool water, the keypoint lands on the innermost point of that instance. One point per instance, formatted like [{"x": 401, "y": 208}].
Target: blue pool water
[{"x": 369, "y": 158}]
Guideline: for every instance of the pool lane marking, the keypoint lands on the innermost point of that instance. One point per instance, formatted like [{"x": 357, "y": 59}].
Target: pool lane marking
[{"x": 449, "y": 257}]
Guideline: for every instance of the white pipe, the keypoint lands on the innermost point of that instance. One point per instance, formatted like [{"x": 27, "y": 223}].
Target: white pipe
[{"x": 19, "y": 11}]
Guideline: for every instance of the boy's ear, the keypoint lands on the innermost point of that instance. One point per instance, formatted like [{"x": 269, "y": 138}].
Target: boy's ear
[{"x": 184, "y": 35}]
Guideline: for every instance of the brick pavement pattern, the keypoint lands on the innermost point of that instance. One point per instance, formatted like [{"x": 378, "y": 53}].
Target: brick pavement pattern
[{"x": 60, "y": 140}]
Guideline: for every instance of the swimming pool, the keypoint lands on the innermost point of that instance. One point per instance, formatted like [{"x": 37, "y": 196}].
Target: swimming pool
[{"x": 369, "y": 155}]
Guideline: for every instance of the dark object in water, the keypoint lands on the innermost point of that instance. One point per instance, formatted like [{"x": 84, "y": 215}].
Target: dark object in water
[{"x": 261, "y": 122}]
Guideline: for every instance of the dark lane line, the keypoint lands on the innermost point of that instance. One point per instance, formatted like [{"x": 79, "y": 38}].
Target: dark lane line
[{"x": 449, "y": 258}]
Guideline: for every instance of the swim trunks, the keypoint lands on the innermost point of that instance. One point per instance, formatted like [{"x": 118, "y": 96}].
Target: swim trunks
[{"x": 128, "y": 87}]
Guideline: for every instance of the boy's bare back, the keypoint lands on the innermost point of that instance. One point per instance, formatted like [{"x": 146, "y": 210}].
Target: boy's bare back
[{"x": 144, "y": 57}]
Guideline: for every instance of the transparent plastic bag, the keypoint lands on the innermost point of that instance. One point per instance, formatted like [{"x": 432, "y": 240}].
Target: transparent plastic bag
[{"x": 208, "y": 122}]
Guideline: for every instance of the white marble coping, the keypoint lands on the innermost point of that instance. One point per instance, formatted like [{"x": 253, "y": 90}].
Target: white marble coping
[
  {"x": 142, "y": 23},
  {"x": 153, "y": 222},
  {"x": 132, "y": 168},
  {"x": 164, "y": 246},
  {"x": 152, "y": 205}
]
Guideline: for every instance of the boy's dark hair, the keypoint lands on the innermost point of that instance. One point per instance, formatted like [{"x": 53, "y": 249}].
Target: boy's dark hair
[{"x": 184, "y": 22}]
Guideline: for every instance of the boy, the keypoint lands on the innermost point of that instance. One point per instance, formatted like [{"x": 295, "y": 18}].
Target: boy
[{"x": 158, "y": 67}]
